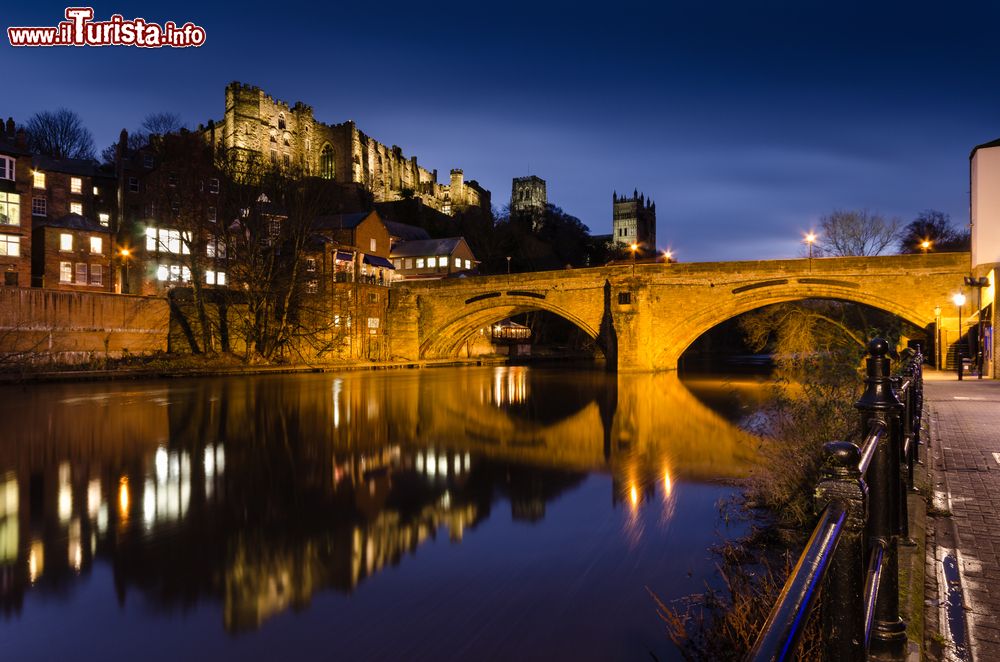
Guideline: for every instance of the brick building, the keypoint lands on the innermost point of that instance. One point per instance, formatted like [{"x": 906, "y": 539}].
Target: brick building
[
  {"x": 71, "y": 252},
  {"x": 433, "y": 258},
  {"x": 74, "y": 198},
  {"x": 15, "y": 207}
]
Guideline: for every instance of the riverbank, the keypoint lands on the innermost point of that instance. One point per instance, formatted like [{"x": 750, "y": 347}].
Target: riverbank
[{"x": 218, "y": 366}]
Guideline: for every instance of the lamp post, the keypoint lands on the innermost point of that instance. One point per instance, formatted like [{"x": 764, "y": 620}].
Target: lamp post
[
  {"x": 959, "y": 300},
  {"x": 810, "y": 239},
  {"x": 508, "y": 265},
  {"x": 937, "y": 337},
  {"x": 634, "y": 247},
  {"x": 667, "y": 256},
  {"x": 125, "y": 253},
  {"x": 925, "y": 245}
]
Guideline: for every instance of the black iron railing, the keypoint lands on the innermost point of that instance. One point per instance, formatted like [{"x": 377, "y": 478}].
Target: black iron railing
[{"x": 850, "y": 566}]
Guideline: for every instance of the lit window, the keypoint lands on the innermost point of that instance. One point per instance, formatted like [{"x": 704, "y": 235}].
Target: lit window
[
  {"x": 96, "y": 274},
  {"x": 312, "y": 287},
  {"x": 310, "y": 264},
  {"x": 220, "y": 278},
  {"x": 468, "y": 264},
  {"x": 162, "y": 273},
  {"x": 398, "y": 263},
  {"x": 326, "y": 167},
  {"x": 6, "y": 168},
  {"x": 420, "y": 262},
  {"x": 75, "y": 185},
  {"x": 372, "y": 243},
  {"x": 151, "y": 240},
  {"x": 65, "y": 272},
  {"x": 96, "y": 190},
  {"x": 210, "y": 277},
  {"x": 409, "y": 263},
  {"x": 10, "y": 245},
  {"x": 133, "y": 184},
  {"x": 173, "y": 240},
  {"x": 104, "y": 218},
  {"x": 76, "y": 208},
  {"x": 10, "y": 209},
  {"x": 431, "y": 262},
  {"x": 81, "y": 273},
  {"x": 458, "y": 263},
  {"x": 65, "y": 242},
  {"x": 38, "y": 179},
  {"x": 39, "y": 207},
  {"x": 96, "y": 245},
  {"x": 443, "y": 260}
]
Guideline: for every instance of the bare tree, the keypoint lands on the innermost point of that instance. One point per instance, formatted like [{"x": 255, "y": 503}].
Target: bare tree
[
  {"x": 935, "y": 228},
  {"x": 60, "y": 134},
  {"x": 154, "y": 124},
  {"x": 857, "y": 232}
]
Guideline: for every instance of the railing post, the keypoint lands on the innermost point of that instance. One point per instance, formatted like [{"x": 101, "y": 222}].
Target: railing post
[
  {"x": 879, "y": 402},
  {"x": 842, "y": 611}
]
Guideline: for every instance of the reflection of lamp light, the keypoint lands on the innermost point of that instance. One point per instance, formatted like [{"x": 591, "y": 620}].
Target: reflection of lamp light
[
  {"x": 959, "y": 300},
  {"x": 667, "y": 483},
  {"x": 123, "y": 497},
  {"x": 633, "y": 495}
]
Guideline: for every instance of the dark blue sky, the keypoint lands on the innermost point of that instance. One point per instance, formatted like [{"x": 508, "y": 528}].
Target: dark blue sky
[{"x": 744, "y": 121}]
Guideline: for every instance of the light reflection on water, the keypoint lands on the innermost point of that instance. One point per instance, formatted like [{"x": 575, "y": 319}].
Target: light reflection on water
[{"x": 362, "y": 499}]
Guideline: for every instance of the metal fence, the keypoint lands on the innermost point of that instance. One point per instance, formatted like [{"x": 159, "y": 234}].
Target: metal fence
[{"x": 850, "y": 565}]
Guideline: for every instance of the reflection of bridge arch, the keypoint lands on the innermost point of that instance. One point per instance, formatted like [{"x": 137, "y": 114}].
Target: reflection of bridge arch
[
  {"x": 447, "y": 339},
  {"x": 757, "y": 298}
]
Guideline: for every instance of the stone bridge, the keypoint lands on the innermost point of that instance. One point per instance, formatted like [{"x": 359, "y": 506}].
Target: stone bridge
[{"x": 645, "y": 316}]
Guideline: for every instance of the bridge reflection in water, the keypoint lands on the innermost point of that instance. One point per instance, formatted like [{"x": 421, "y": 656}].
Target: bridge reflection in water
[{"x": 259, "y": 492}]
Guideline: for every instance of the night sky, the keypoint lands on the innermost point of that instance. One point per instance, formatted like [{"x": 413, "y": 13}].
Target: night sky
[{"x": 744, "y": 121}]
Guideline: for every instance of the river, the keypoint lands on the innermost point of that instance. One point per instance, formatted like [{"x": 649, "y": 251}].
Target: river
[{"x": 453, "y": 513}]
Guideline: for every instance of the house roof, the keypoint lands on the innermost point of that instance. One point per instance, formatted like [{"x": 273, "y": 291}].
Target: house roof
[
  {"x": 423, "y": 247},
  {"x": 992, "y": 143},
  {"x": 406, "y": 231},
  {"x": 72, "y": 222},
  {"x": 342, "y": 221},
  {"x": 82, "y": 167}
]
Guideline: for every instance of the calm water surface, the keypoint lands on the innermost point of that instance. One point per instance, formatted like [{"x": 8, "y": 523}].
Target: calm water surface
[{"x": 466, "y": 513}]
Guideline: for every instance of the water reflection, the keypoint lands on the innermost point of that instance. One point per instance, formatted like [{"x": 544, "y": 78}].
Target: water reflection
[{"x": 257, "y": 493}]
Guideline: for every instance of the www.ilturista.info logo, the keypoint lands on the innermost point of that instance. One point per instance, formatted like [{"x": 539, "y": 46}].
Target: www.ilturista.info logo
[{"x": 80, "y": 29}]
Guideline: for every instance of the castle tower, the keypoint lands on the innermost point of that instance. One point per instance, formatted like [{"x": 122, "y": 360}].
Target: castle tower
[
  {"x": 457, "y": 188},
  {"x": 528, "y": 197},
  {"x": 634, "y": 221}
]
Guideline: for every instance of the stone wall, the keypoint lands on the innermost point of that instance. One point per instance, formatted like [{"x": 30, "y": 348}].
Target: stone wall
[
  {"x": 257, "y": 122},
  {"x": 73, "y": 327}
]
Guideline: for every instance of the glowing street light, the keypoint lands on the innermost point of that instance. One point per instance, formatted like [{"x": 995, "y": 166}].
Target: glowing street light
[
  {"x": 125, "y": 253},
  {"x": 810, "y": 239},
  {"x": 634, "y": 247},
  {"x": 959, "y": 300},
  {"x": 925, "y": 245},
  {"x": 668, "y": 255}
]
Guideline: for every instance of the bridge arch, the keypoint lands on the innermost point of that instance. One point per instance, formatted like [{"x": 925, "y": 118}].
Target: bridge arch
[
  {"x": 739, "y": 303},
  {"x": 447, "y": 339}
]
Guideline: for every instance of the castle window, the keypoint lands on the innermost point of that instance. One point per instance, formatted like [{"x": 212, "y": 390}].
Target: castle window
[
  {"x": 274, "y": 137},
  {"x": 281, "y": 121},
  {"x": 274, "y": 156},
  {"x": 287, "y": 159},
  {"x": 624, "y": 298},
  {"x": 285, "y": 139},
  {"x": 326, "y": 168}
]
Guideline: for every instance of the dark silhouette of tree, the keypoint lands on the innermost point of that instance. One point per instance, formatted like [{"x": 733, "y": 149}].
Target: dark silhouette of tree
[
  {"x": 60, "y": 134},
  {"x": 935, "y": 227},
  {"x": 154, "y": 124},
  {"x": 856, "y": 232}
]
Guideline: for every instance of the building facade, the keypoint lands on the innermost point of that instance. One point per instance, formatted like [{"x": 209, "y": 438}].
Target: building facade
[
  {"x": 528, "y": 197},
  {"x": 433, "y": 258},
  {"x": 634, "y": 221},
  {"x": 72, "y": 252},
  {"x": 15, "y": 207},
  {"x": 289, "y": 135}
]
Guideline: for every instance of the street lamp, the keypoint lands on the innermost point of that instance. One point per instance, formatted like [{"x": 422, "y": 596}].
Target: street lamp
[
  {"x": 634, "y": 247},
  {"x": 508, "y": 265},
  {"x": 125, "y": 253},
  {"x": 810, "y": 239},
  {"x": 667, "y": 256},
  {"x": 959, "y": 300},
  {"x": 925, "y": 245}
]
